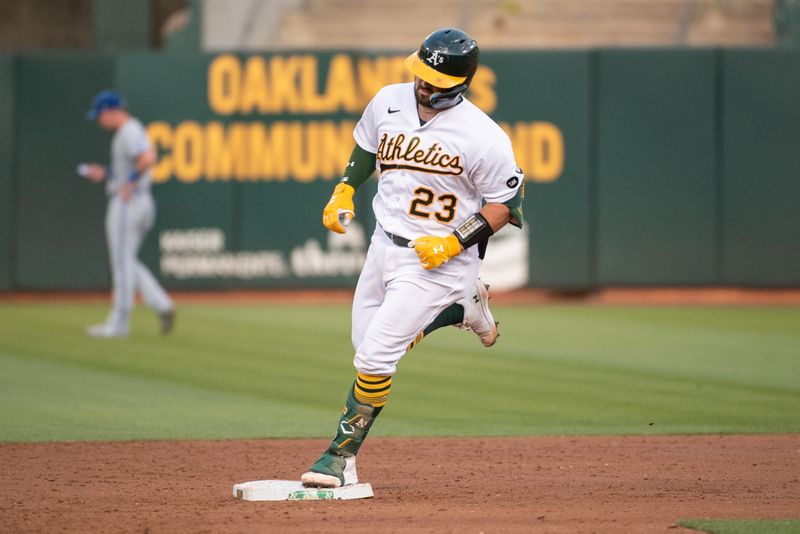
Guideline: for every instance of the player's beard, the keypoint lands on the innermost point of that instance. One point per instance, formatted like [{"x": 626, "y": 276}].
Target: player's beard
[{"x": 423, "y": 91}]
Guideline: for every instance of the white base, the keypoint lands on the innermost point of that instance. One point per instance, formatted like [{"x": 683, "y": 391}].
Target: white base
[{"x": 293, "y": 490}]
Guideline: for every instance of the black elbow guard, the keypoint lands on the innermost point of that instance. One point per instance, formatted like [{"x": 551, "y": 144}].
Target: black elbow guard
[{"x": 474, "y": 230}]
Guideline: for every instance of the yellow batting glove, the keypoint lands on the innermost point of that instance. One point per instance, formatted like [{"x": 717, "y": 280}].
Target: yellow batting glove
[
  {"x": 339, "y": 209},
  {"x": 434, "y": 251}
]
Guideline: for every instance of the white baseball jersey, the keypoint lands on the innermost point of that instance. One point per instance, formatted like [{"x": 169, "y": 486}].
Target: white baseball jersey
[
  {"x": 129, "y": 141},
  {"x": 434, "y": 176}
]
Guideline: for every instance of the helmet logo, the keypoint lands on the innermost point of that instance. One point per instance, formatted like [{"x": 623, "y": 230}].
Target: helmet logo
[{"x": 435, "y": 58}]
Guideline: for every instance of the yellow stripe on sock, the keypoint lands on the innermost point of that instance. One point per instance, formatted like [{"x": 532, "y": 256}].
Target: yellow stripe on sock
[
  {"x": 372, "y": 379},
  {"x": 365, "y": 388},
  {"x": 371, "y": 395},
  {"x": 372, "y": 392},
  {"x": 416, "y": 340},
  {"x": 372, "y": 388},
  {"x": 369, "y": 383},
  {"x": 376, "y": 402}
]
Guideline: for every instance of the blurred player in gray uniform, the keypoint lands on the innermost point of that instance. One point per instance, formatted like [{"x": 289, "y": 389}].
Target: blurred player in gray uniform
[{"x": 129, "y": 216}]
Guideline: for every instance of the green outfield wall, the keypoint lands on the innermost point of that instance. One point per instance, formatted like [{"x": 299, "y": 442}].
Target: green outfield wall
[
  {"x": 644, "y": 167},
  {"x": 59, "y": 218},
  {"x": 656, "y": 177},
  {"x": 760, "y": 160},
  {"x": 7, "y": 147}
]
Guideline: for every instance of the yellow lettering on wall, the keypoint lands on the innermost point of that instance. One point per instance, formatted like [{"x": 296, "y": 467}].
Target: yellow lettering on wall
[
  {"x": 335, "y": 146},
  {"x": 187, "y": 152},
  {"x": 309, "y": 86},
  {"x": 270, "y": 150},
  {"x": 398, "y": 73},
  {"x": 224, "y": 79},
  {"x": 538, "y": 149},
  {"x": 340, "y": 87},
  {"x": 372, "y": 75},
  {"x": 160, "y": 134},
  {"x": 285, "y": 94},
  {"x": 226, "y": 151},
  {"x": 291, "y": 84},
  {"x": 481, "y": 90},
  {"x": 518, "y": 133},
  {"x": 547, "y": 151},
  {"x": 255, "y": 95},
  {"x": 298, "y": 150},
  {"x": 303, "y": 156}
]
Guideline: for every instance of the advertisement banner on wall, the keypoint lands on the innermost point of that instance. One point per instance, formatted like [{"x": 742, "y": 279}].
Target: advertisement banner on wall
[{"x": 250, "y": 147}]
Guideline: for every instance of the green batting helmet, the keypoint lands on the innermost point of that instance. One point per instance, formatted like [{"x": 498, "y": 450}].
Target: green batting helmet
[{"x": 448, "y": 59}]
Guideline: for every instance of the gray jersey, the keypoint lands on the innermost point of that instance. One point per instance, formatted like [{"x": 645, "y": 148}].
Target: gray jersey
[
  {"x": 127, "y": 224},
  {"x": 128, "y": 143}
]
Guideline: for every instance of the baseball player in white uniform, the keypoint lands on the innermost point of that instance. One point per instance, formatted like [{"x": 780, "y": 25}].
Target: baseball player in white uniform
[
  {"x": 130, "y": 215},
  {"x": 447, "y": 181}
]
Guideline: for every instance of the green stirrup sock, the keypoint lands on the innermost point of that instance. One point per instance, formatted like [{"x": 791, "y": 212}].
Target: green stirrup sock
[
  {"x": 354, "y": 424},
  {"x": 453, "y": 314},
  {"x": 357, "y": 418}
]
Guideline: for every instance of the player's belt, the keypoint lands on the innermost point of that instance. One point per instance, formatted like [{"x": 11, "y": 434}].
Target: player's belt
[{"x": 397, "y": 240}]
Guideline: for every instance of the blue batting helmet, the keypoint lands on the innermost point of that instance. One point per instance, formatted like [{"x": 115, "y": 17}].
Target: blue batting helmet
[{"x": 105, "y": 100}]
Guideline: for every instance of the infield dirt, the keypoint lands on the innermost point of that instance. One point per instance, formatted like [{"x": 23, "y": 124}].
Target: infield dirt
[{"x": 521, "y": 484}]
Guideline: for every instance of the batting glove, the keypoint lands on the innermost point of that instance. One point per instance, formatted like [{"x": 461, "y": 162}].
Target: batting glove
[
  {"x": 339, "y": 209},
  {"x": 434, "y": 251}
]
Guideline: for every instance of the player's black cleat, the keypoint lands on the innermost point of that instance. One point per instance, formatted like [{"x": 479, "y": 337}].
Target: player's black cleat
[{"x": 167, "y": 321}]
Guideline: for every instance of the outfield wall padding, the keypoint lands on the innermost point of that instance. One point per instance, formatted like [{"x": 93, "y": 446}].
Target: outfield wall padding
[
  {"x": 656, "y": 179},
  {"x": 7, "y": 152},
  {"x": 644, "y": 167},
  {"x": 760, "y": 153},
  {"x": 59, "y": 219}
]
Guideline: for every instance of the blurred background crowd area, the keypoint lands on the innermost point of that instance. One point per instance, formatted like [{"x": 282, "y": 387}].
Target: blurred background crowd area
[{"x": 111, "y": 25}]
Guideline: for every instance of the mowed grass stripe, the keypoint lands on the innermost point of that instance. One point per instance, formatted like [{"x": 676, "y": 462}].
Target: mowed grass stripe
[
  {"x": 556, "y": 370},
  {"x": 45, "y": 401},
  {"x": 267, "y": 347},
  {"x": 575, "y": 369}
]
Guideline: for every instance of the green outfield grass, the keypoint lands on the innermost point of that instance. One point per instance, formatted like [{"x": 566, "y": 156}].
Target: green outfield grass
[
  {"x": 284, "y": 371},
  {"x": 739, "y": 526}
]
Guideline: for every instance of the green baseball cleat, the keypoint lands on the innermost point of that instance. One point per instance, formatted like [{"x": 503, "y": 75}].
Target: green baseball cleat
[{"x": 331, "y": 471}]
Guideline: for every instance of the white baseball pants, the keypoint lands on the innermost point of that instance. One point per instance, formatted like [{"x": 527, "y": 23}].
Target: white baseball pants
[
  {"x": 127, "y": 223},
  {"x": 396, "y": 298}
]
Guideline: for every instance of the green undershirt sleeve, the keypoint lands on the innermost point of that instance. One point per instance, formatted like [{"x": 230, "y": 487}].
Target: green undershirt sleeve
[
  {"x": 514, "y": 205},
  {"x": 360, "y": 167}
]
